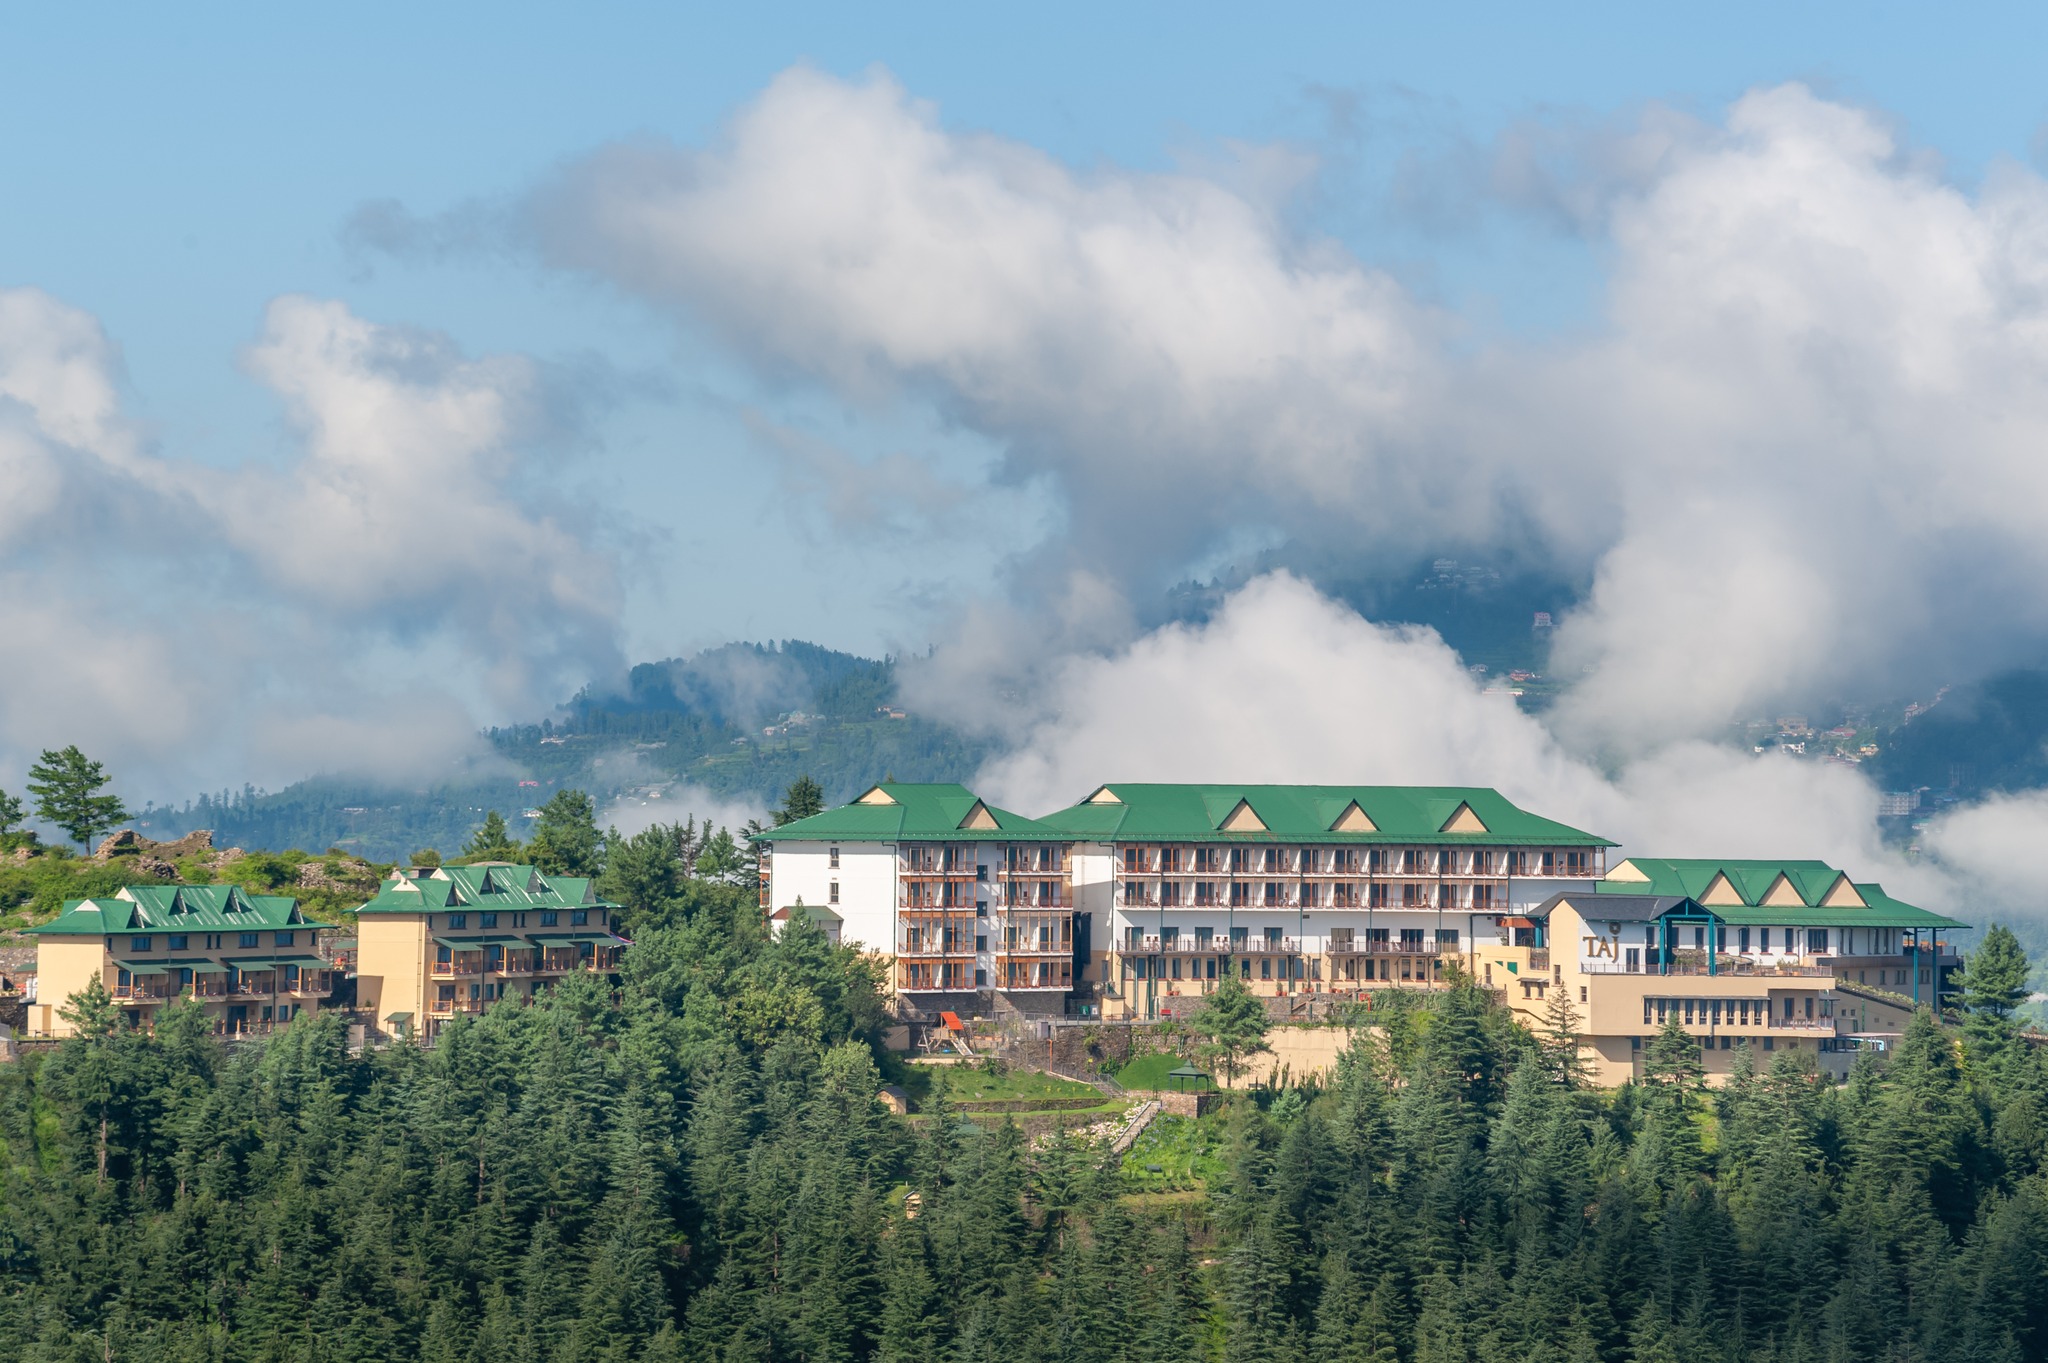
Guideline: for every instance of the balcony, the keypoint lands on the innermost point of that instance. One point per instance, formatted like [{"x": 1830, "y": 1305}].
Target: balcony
[
  {"x": 1695, "y": 963},
  {"x": 1410, "y": 948}
]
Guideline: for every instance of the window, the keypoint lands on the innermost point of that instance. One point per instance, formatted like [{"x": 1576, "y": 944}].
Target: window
[
  {"x": 1266, "y": 969},
  {"x": 1817, "y": 940},
  {"x": 1582, "y": 993},
  {"x": 1411, "y": 939},
  {"x": 1240, "y": 938},
  {"x": 174, "y": 943},
  {"x": 579, "y": 917},
  {"x": 1742, "y": 940},
  {"x": 1763, "y": 939},
  {"x": 1134, "y": 861},
  {"x": 487, "y": 920},
  {"x": 141, "y": 944},
  {"x": 1447, "y": 939},
  {"x": 1169, "y": 938},
  {"x": 284, "y": 939},
  {"x": 832, "y": 893},
  {"x": 249, "y": 939},
  {"x": 547, "y": 918},
  {"x": 981, "y": 941},
  {"x": 1134, "y": 939},
  {"x": 458, "y": 920},
  {"x": 834, "y": 855}
]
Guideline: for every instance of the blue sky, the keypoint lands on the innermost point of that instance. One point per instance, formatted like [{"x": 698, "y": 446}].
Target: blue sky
[{"x": 1354, "y": 284}]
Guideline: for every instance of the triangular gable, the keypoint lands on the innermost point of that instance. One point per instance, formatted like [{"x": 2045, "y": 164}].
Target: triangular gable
[
  {"x": 1843, "y": 895},
  {"x": 1783, "y": 894},
  {"x": 1242, "y": 819},
  {"x": 876, "y": 796},
  {"x": 1103, "y": 796},
  {"x": 1630, "y": 872},
  {"x": 1354, "y": 820},
  {"x": 1463, "y": 820},
  {"x": 979, "y": 817},
  {"x": 1721, "y": 890}
]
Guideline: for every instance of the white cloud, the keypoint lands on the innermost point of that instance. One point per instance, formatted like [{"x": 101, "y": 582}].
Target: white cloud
[
  {"x": 678, "y": 804},
  {"x": 1994, "y": 848},
  {"x": 1284, "y": 685},
  {"x": 351, "y": 610}
]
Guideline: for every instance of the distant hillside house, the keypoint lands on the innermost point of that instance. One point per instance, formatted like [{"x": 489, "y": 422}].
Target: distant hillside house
[
  {"x": 455, "y": 939},
  {"x": 253, "y": 961}
]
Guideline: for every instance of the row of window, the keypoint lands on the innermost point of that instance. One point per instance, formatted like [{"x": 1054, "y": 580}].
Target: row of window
[
  {"x": 214, "y": 941},
  {"x": 1169, "y": 938},
  {"x": 1049, "y": 857},
  {"x": 1173, "y": 859},
  {"x": 1732, "y": 1012},
  {"x": 548, "y": 918},
  {"x": 1287, "y": 894},
  {"x": 1209, "y": 968}
]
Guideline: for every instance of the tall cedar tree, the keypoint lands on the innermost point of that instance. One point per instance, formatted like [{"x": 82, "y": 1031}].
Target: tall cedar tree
[{"x": 67, "y": 786}]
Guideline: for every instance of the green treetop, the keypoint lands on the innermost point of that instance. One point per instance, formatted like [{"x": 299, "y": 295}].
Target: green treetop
[
  {"x": 10, "y": 812},
  {"x": 804, "y": 798},
  {"x": 67, "y": 788},
  {"x": 1232, "y": 1026},
  {"x": 1995, "y": 975},
  {"x": 491, "y": 842},
  {"x": 565, "y": 839}
]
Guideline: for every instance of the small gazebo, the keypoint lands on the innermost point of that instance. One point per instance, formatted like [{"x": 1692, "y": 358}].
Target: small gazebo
[{"x": 1184, "y": 1075}]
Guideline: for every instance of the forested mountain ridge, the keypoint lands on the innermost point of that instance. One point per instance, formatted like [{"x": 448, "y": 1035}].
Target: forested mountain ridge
[
  {"x": 738, "y": 722},
  {"x": 693, "y": 1165}
]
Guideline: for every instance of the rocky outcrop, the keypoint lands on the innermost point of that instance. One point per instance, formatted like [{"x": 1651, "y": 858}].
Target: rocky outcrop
[{"x": 128, "y": 842}]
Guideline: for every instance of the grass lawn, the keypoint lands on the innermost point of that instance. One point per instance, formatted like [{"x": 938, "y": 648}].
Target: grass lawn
[
  {"x": 970, "y": 1083},
  {"x": 1149, "y": 1072}
]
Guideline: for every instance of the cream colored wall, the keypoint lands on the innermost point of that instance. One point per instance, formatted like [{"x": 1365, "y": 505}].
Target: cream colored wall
[
  {"x": 1299, "y": 1052},
  {"x": 391, "y": 966},
  {"x": 64, "y": 965}
]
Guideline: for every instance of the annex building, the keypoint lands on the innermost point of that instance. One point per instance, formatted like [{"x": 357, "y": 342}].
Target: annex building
[
  {"x": 445, "y": 940},
  {"x": 251, "y": 960},
  {"x": 1778, "y": 954}
]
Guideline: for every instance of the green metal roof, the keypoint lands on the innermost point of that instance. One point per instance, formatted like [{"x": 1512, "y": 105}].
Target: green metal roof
[
  {"x": 1139, "y": 812},
  {"x": 485, "y": 888},
  {"x": 904, "y": 811},
  {"x": 1810, "y": 881},
  {"x": 134, "y": 910}
]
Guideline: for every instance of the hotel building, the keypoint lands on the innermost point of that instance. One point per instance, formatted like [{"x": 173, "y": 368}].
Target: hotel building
[
  {"x": 448, "y": 940},
  {"x": 1135, "y": 902},
  {"x": 1780, "y": 954},
  {"x": 1305, "y": 890},
  {"x": 251, "y": 960},
  {"x": 971, "y": 905}
]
